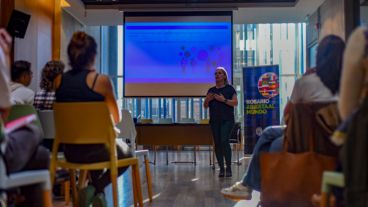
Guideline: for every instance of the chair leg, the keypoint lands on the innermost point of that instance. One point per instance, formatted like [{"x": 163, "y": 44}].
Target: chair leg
[
  {"x": 324, "y": 200},
  {"x": 114, "y": 182},
  {"x": 148, "y": 177},
  {"x": 67, "y": 192},
  {"x": 138, "y": 184},
  {"x": 47, "y": 200},
  {"x": 134, "y": 188},
  {"x": 82, "y": 181},
  {"x": 154, "y": 154},
  {"x": 74, "y": 187}
]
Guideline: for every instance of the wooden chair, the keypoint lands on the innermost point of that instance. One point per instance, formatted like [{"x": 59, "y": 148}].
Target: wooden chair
[
  {"x": 330, "y": 179},
  {"x": 91, "y": 123}
]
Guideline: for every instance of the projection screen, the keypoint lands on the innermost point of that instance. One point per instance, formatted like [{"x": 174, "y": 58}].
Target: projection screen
[{"x": 175, "y": 54}]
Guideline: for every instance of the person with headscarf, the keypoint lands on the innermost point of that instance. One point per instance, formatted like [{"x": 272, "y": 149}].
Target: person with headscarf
[{"x": 221, "y": 99}]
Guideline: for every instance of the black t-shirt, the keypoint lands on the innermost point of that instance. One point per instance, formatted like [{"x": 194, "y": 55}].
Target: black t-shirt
[{"x": 219, "y": 110}]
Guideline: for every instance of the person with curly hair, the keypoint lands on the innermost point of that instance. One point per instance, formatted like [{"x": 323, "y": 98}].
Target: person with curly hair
[{"x": 44, "y": 98}]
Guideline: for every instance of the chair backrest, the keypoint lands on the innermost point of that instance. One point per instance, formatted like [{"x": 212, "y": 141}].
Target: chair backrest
[
  {"x": 187, "y": 120},
  {"x": 83, "y": 123},
  {"x": 127, "y": 127},
  {"x": 20, "y": 110},
  {"x": 235, "y": 134},
  {"x": 165, "y": 121},
  {"x": 47, "y": 121},
  {"x": 312, "y": 123},
  {"x": 146, "y": 121}
]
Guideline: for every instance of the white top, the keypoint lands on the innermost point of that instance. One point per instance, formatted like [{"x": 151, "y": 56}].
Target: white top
[
  {"x": 4, "y": 79},
  {"x": 21, "y": 94},
  {"x": 310, "y": 88}
]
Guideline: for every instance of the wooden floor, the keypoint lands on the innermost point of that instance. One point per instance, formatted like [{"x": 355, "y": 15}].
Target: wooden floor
[{"x": 184, "y": 184}]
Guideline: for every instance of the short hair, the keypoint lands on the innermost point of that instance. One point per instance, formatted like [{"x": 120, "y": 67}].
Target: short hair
[
  {"x": 330, "y": 53},
  {"x": 49, "y": 72},
  {"x": 82, "y": 50},
  {"x": 19, "y": 68}
]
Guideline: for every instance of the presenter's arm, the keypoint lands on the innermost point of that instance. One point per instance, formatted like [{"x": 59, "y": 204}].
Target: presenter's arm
[
  {"x": 230, "y": 102},
  {"x": 209, "y": 98}
]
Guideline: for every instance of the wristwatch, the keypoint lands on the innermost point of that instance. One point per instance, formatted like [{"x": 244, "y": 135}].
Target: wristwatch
[{"x": 225, "y": 100}]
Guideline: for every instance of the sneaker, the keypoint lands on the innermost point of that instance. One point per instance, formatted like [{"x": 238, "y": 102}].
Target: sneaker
[
  {"x": 221, "y": 173},
  {"x": 237, "y": 192},
  {"x": 85, "y": 196},
  {"x": 99, "y": 201},
  {"x": 228, "y": 173}
]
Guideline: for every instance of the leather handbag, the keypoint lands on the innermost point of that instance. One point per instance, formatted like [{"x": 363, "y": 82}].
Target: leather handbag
[{"x": 290, "y": 179}]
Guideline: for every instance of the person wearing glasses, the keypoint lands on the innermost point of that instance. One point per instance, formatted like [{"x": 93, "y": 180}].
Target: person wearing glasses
[{"x": 21, "y": 78}]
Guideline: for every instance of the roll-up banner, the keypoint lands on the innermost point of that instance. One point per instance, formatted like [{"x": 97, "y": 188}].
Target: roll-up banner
[{"x": 261, "y": 102}]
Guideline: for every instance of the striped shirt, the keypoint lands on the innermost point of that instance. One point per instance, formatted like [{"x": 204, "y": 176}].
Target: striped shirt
[{"x": 44, "y": 100}]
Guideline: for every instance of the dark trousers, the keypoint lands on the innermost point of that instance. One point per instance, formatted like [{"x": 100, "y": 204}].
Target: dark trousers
[
  {"x": 97, "y": 153},
  {"x": 23, "y": 152},
  {"x": 221, "y": 134}
]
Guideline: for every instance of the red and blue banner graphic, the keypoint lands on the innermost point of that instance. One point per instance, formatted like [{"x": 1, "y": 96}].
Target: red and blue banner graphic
[{"x": 261, "y": 102}]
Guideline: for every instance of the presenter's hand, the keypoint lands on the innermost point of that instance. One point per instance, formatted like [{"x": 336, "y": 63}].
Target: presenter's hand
[
  {"x": 210, "y": 97},
  {"x": 220, "y": 97}
]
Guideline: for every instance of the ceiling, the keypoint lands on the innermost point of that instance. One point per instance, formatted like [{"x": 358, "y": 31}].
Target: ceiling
[
  {"x": 125, "y": 3},
  {"x": 107, "y": 12}
]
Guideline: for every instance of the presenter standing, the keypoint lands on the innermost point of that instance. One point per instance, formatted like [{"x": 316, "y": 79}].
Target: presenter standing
[{"x": 221, "y": 99}]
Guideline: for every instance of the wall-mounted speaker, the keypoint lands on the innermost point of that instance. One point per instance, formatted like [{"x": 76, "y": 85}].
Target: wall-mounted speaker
[{"x": 18, "y": 23}]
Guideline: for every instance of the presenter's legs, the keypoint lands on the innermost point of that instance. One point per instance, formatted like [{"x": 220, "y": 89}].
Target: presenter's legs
[{"x": 221, "y": 132}]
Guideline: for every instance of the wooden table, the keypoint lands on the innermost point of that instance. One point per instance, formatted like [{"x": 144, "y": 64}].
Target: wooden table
[{"x": 174, "y": 134}]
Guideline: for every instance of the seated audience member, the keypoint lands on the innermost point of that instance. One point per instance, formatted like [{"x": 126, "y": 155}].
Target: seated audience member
[
  {"x": 354, "y": 76},
  {"x": 83, "y": 84},
  {"x": 353, "y": 105},
  {"x": 21, "y": 76},
  {"x": 44, "y": 98},
  {"x": 319, "y": 86},
  {"x": 22, "y": 150}
]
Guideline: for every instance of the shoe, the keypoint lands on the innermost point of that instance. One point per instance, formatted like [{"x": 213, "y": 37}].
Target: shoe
[
  {"x": 99, "y": 201},
  {"x": 85, "y": 196},
  {"x": 237, "y": 192},
  {"x": 228, "y": 173},
  {"x": 221, "y": 173}
]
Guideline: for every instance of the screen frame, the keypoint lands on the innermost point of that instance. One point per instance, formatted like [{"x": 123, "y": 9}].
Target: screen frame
[{"x": 168, "y": 14}]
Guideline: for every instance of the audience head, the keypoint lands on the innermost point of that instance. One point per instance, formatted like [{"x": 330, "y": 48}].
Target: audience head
[
  {"x": 82, "y": 50},
  {"x": 21, "y": 72},
  {"x": 51, "y": 70},
  {"x": 223, "y": 71},
  {"x": 330, "y": 53}
]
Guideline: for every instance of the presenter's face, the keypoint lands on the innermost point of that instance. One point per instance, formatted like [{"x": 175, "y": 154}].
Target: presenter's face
[{"x": 219, "y": 75}]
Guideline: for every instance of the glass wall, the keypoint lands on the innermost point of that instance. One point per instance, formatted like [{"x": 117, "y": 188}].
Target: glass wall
[{"x": 254, "y": 45}]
